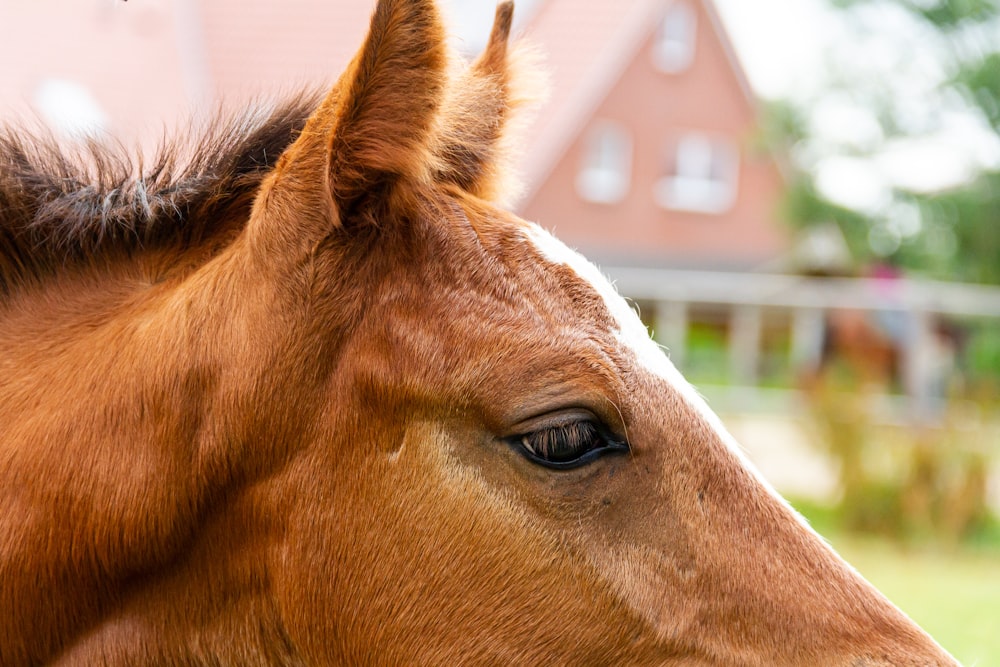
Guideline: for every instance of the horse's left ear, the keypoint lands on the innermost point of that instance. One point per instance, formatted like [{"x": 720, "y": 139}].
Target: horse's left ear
[{"x": 375, "y": 128}]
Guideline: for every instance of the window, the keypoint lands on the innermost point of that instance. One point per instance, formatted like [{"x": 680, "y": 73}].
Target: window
[
  {"x": 701, "y": 175},
  {"x": 70, "y": 109},
  {"x": 606, "y": 170},
  {"x": 673, "y": 47}
]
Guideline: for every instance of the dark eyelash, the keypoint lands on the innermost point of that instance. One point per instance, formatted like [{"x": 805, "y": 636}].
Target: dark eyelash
[
  {"x": 561, "y": 442},
  {"x": 568, "y": 445}
]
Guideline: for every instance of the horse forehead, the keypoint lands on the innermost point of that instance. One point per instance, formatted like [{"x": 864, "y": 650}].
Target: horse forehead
[
  {"x": 635, "y": 340},
  {"x": 631, "y": 332}
]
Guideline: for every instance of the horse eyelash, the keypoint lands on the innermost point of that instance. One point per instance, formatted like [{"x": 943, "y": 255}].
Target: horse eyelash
[{"x": 569, "y": 437}]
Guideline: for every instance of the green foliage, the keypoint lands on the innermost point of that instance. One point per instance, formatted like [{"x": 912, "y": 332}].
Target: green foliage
[
  {"x": 949, "y": 14},
  {"x": 804, "y": 206},
  {"x": 781, "y": 125},
  {"x": 980, "y": 81},
  {"x": 705, "y": 359},
  {"x": 957, "y": 232},
  {"x": 983, "y": 352},
  {"x": 915, "y": 480},
  {"x": 945, "y": 14},
  {"x": 960, "y": 233},
  {"x": 972, "y": 214}
]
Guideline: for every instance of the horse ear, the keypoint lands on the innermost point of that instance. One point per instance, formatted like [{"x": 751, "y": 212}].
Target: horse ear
[
  {"x": 494, "y": 58},
  {"x": 375, "y": 127},
  {"x": 471, "y": 150}
]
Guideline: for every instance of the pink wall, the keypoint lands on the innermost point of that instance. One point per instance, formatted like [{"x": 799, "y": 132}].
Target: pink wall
[
  {"x": 657, "y": 107},
  {"x": 126, "y": 56}
]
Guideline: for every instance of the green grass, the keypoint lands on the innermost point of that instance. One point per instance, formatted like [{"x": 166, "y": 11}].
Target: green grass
[{"x": 952, "y": 592}]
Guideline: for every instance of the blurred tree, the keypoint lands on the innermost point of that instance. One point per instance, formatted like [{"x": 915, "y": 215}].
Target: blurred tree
[
  {"x": 907, "y": 78},
  {"x": 899, "y": 146}
]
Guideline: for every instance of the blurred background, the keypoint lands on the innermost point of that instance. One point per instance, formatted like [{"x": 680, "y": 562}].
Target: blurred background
[{"x": 802, "y": 197}]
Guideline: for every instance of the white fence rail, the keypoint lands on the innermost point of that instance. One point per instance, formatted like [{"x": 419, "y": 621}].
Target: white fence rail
[{"x": 748, "y": 296}]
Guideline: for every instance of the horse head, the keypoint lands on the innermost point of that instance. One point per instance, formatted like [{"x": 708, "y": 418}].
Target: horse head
[{"x": 382, "y": 420}]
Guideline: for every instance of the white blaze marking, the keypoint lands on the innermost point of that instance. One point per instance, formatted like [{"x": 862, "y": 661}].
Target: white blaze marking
[{"x": 632, "y": 334}]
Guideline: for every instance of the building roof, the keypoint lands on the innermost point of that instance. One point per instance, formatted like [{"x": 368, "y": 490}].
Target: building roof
[
  {"x": 587, "y": 52},
  {"x": 148, "y": 64}
]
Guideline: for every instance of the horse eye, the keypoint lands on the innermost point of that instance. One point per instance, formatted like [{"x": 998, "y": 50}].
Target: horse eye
[{"x": 568, "y": 445}]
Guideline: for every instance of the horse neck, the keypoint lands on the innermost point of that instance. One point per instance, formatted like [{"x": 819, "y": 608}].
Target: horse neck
[{"x": 150, "y": 390}]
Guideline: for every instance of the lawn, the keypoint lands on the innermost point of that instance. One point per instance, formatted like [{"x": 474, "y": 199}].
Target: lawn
[{"x": 952, "y": 592}]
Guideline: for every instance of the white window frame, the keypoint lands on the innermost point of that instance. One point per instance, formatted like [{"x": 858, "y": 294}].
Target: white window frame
[
  {"x": 605, "y": 173},
  {"x": 702, "y": 175},
  {"x": 676, "y": 37}
]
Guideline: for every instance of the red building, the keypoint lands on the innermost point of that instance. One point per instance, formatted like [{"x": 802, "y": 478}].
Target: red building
[{"x": 645, "y": 154}]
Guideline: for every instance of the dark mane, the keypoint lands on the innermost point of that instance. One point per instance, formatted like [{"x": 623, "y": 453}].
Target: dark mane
[{"x": 59, "y": 207}]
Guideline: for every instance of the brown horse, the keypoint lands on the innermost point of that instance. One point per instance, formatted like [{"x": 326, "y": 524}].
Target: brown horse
[{"x": 340, "y": 408}]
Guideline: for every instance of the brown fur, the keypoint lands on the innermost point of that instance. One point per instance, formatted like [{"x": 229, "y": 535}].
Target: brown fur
[
  {"x": 58, "y": 208},
  {"x": 278, "y": 432}
]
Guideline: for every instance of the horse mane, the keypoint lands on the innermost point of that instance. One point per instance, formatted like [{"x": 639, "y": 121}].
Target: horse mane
[{"x": 59, "y": 206}]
